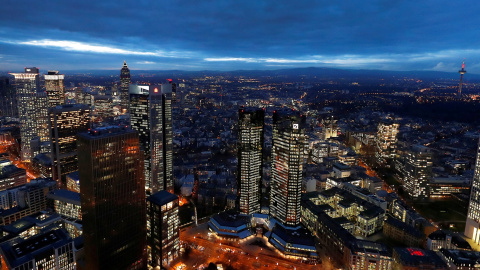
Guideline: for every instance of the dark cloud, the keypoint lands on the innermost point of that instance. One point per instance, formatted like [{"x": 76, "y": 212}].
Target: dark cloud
[{"x": 369, "y": 34}]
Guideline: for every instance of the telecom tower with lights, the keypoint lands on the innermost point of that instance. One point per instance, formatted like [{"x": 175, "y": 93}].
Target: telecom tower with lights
[{"x": 461, "y": 71}]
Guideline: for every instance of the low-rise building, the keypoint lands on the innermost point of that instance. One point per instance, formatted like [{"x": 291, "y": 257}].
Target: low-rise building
[
  {"x": 402, "y": 232},
  {"x": 461, "y": 259},
  {"x": 49, "y": 251},
  {"x": 447, "y": 240},
  {"x": 416, "y": 259}
]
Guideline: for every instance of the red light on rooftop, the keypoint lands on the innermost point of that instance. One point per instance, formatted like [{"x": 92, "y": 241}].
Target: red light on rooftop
[
  {"x": 170, "y": 80},
  {"x": 415, "y": 252}
]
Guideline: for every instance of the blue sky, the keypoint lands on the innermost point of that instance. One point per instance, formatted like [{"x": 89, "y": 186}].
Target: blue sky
[{"x": 231, "y": 35}]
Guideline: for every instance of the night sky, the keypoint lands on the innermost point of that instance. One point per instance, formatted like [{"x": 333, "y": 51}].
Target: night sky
[{"x": 232, "y": 35}]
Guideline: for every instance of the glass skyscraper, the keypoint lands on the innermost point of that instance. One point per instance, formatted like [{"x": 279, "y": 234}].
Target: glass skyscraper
[
  {"x": 250, "y": 145},
  {"x": 113, "y": 199},
  {"x": 287, "y": 166},
  {"x": 27, "y": 86},
  {"x": 151, "y": 116}
]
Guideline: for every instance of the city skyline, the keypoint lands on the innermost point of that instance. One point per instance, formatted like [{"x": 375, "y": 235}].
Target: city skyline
[{"x": 247, "y": 35}]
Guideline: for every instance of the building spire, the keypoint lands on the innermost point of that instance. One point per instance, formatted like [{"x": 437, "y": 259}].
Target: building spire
[
  {"x": 461, "y": 71},
  {"x": 124, "y": 63}
]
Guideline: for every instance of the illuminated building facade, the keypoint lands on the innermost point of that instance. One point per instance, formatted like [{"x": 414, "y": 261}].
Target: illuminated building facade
[
  {"x": 124, "y": 84},
  {"x": 27, "y": 85},
  {"x": 112, "y": 196},
  {"x": 55, "y": 87},
  {"x": 48, "y": 251},
  {"x": 287, "y": 167},
  {"x": 472, "y": 226},
  {"x": 386, "y": 141},
  {"x": 250, "y": 145},
  {"x": 65, "y": 122},
  {"x": 163, "y": 230},
  {"x": 41, "y": 119},
  {"x": 151, "y": 116},
  {"x": 418, "y": 172}
]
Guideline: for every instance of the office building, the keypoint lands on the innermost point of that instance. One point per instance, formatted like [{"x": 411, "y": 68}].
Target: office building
[
  {"x": 250, "y": 145},
  {"x": 12, "y": 176},
  {"x": 25, "y": 200},
  {"x": 124, "y": 85},
  {"x": 55, "y": 87},
  {"x": 386, "y": 141},
  {"x": 41, "y": 119},
  {"x": 48, "y": 251},
  {"x": 66, "y": 121},
  {"x": 151, "y": 116},
  {"x": 163, "y": 227},
  {"x": 472, "y": 226},
  {"x": 27, "y": 86},
  {"x": 287, "y": 167},
  {"x": 418, "y": 172},
  {"x": 112, "y": 196}
]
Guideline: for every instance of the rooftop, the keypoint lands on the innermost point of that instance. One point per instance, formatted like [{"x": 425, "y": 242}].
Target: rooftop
[{"x": 162, "y": 197}]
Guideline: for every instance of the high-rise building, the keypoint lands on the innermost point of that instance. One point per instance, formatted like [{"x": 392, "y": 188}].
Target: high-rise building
[
  {"x": 151, "y": 116},
  {"x": 66, "y": 121},
  {"x": 163, "y": 227},
  {"x": 250, "y": 145},
  {"x": 27, "y": 86},
  {"x": 386, "y": 141},
  {"x": 418, "y": 172},
  {"x": 55, "y": 87},
  {"x": 124, "y": 85},
  {"x": 472, "y": 226},
  {"x": 112, "y": 196},
  {"x": 287, "y": 167},
  {"x": 41, "y": 117}
]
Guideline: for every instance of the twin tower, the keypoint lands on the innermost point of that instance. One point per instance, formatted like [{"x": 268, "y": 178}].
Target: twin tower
[{"x": 288, "y": 148}]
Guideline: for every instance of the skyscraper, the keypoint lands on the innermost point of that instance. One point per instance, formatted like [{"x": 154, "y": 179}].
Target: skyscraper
[
  {"x": 124, "y": 84},
  {"x": 287, "y": 166},
  {"x": 65, "y": 121},
  {"x": 151, "y": 116},
  {"x": 27, "y": 85},
  {"x": 113, "y": 199},
  {"x": 163, "y": 234},
  {"x": 472, "y": 226},
  {"x": 55, "y": 87},
  {"x": 386, "y": 141},
  {"x": 418, "y": 172},
  {"x": 250, "y": 145}
]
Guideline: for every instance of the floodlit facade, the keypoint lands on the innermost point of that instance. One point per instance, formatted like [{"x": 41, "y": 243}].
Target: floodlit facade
[
  {"x": 386, "y": 141},
  {"x": 27, "y": 85},
  {"x": 163, "y": 228},
  {"x": 151, "y": 116},
  {"x": 65, "y": 122},
  {"x": 287, "y": 167},
  {"x": 113, "y": 199},
  {"x": 472, "y": 226},
  {"x": 55, "y": 87},
  {"x": 250, "y": 145}
]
